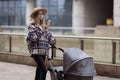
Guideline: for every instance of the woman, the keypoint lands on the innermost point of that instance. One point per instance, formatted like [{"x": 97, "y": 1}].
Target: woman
[{"x": 38, "y": 40}]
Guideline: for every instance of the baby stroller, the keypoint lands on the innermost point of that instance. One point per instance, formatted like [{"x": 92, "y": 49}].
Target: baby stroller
[{"x": 77, "y": 65}]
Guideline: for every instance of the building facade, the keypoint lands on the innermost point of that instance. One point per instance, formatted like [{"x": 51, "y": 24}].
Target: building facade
[
  {"x": 63, "y": 13},
  {"x": 16, "y": 12},
  {"x": 12, "y": 12}
]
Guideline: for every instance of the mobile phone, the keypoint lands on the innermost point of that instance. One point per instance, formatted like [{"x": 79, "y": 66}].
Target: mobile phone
[{"x": 48, "y": 21}]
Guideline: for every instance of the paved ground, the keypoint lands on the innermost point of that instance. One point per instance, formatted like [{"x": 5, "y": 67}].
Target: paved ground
[{"x": 11, "y": 71}]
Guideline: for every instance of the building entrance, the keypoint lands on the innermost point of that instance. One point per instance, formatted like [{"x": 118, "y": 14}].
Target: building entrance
[{"x": 97, "y": 11}]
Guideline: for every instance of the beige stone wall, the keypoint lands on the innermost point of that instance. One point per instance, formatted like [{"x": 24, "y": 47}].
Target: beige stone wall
[
  {"x": 116, "y": 12},
  {"x": 2, "y": 40},
  {"x": 105, "y": 69},
  {"x": 101, "y": 68},
  {"x": 103, "y": 48},
  {"x": 107, "y": 31}
]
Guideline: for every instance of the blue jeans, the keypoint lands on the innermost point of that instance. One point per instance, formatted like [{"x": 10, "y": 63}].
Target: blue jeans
[{"x": 41, "y": 70}]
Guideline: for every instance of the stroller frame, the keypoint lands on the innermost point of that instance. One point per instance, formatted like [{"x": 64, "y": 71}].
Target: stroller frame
[{"x": 56, "y": 75}]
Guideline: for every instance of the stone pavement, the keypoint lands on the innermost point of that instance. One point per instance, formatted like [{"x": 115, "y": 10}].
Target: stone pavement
[{"x": 11, "y": 71}]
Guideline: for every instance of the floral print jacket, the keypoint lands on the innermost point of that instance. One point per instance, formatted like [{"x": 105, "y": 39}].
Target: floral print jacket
[{"x": 38, "y": 41}]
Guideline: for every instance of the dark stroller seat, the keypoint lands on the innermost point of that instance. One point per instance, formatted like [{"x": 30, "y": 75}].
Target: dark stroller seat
[
  {"x": 56, "y": 73},
  {"x": 77, "y": 65}
]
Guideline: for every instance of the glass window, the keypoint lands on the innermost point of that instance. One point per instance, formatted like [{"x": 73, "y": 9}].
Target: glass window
[
  {"x": 5, "y": 11},
  {"x": 17, "y": 20},
  {"x": 18, "y": 3},
  {"x": 23, "y": 20},
  {"x": 5, "y": 4},
  {"x": 53, "y": 2},
  {"x": 11, "y": 20},
  {"x": 38, "y": 3},
  {"x": 11, "y": 4},
  {"x": 13, "y": 12},
  {"x": 1, "y": 4},
  {"x": 23, "y": 3},
  {"x": 0, "y": 20},
  {"x": 44, "y": 2},
  {"x": 61, "y": 2},
  {"x": 1, "y": 11},
  {"x": 68, "y": 20},
  {"x": 53, "y": 11},
  {"x": 23, "y": 11},
  {"x": 18, "y": 11},
  {"x": 59, "y": 11},
  {"x": 4, "y": 20}
]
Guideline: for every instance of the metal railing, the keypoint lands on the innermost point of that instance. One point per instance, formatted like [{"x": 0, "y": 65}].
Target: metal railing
[
  {"x": 54, "y": 29},
  {"x": 81, "y": 38}
]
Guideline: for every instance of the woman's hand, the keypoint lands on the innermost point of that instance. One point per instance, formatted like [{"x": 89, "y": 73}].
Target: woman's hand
[
  {"x": 57, "y": 46},
  {"x": 48, "y": 23},
  {"x": 44, "y": 27}
]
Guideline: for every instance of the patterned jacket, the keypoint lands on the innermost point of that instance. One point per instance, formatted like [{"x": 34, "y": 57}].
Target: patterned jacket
[{"x": 38, "y": 41}]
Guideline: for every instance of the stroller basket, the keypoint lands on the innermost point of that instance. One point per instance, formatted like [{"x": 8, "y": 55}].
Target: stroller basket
[{"x": 77, "y": 65}]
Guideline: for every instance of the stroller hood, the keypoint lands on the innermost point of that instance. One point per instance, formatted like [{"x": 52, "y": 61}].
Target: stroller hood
[{"x": 71, "y": 56}]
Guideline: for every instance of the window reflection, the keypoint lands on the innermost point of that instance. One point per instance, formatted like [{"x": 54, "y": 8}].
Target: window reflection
[
  {"x": 5, "y": 12},
  {"x": 61, "y": 2},
  {"x": 53, "y": 3},
  {"x": 53, "y": 11},
  {"x": 59, "y": 11},
  {"x": 11, "y": 4},
  {"x": 4, "y": 20},
  {"x": 5, "y": 4},
  {"x": 1, "y": 4},
  {"x": 0, "y": 11},
  {"x": 12, "y": 12},
  {"x": 18, "y": 3}
]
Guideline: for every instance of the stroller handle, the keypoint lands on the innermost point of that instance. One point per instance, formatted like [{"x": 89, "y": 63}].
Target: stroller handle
[
  {"x": 53, "y": 53},
  {"x": 57, "y": 48}
]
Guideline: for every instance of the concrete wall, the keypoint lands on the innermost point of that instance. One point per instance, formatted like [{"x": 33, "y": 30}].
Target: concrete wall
[
  {"x": 29, "y": 8},
  {"x": 24, "y": 59},
  {"x": 116, "y": 12},
  {"x": 101, "y": 68},
  {"x": 105, "y": 69},
  {"x": 103, "y": 48},
  {"x": 2, "y": 40},
  {"x": 78, "y": 16},
  {"x": 89, "y": 13}
]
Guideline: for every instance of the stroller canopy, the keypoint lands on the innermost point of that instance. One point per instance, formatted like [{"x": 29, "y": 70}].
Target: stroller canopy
[{"x": 75, "y": 57}]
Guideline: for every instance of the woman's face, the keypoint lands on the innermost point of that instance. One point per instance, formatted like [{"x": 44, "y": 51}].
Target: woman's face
[{"x": 40, "y": 15}]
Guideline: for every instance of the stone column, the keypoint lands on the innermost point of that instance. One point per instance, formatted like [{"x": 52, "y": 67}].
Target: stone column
[
  {"x": 29, "y": 8},
  {"x": 116, "y": 14},
  {"x": 78, "y": 16}
]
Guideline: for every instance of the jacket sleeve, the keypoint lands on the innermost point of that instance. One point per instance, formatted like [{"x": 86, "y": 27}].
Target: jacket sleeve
[
  {"x": 52, "y": 40},
  {"x": 32, "y": 33}
]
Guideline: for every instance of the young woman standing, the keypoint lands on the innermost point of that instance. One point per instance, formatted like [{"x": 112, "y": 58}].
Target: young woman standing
[{"x": 38, "y": 41}]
